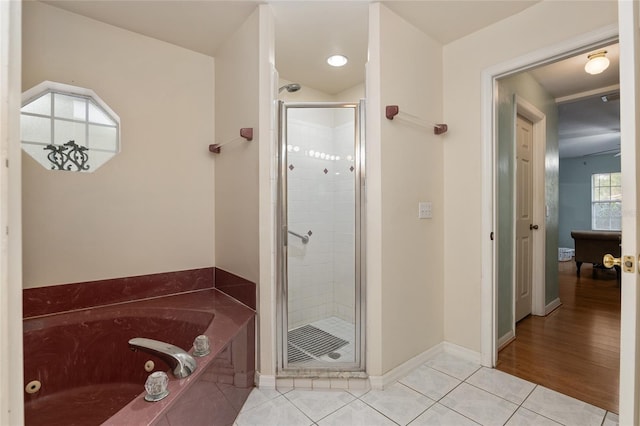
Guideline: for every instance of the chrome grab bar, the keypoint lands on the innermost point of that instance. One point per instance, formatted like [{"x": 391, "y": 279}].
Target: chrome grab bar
[{"x": 304, "y": 238}]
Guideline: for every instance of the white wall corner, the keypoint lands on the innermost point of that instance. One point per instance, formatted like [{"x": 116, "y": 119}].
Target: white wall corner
[
  {"x": 373, "y": 204},
  {"x": 552, "y": 306},
  {"x": 11, "y": 385},
  {"x": 392, "y": 376},
  {"x": 507, "y": 338},
  {"x": 267, "y": 130},
  {"x": 265, "y": 381},
  {"x": 462, "y": 352}
]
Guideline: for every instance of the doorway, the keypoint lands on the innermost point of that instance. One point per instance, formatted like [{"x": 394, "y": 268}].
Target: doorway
[
  {"x": 320, "y": 247},
  {"x": 506, "y": 315}
]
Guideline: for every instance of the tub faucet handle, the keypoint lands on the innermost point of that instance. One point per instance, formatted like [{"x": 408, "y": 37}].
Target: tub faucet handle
[
  {"x": 156, "y": 386},
  {"x": 201, "y": 346}
]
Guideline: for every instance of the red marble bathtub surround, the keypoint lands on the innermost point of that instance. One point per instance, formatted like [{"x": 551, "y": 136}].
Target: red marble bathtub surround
[
  {"x": 236, "y": 287},
  {"x": 216, "y": 391},
  {"x": 88, "y": 373},
  {"x": 216, "y": 398},
  {"x": 68, "y": 297}
]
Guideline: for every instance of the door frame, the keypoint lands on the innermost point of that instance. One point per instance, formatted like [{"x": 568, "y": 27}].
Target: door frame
[
  {"x": 489, "y": 89},
  {"x": 11, "y": 378},
  {"x": 539, "y": 121},
  {"x": 629, "y": 27}
]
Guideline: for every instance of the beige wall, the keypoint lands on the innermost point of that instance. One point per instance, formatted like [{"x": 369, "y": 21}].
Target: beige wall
[
  {"x": 352, "y": 94},
  {"x": 148, "y": 210},
  {"x": 244, "y": 178},
  {"x": 405, "y": 166},
  {"x": 308, "y": 94},
  {"x": 236, "y": 177},
  {"x": 305, "y": 94},
  {"x": 542, "y": 25}
]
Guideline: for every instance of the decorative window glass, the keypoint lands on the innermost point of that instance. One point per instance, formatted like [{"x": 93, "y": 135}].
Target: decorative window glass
[
  {"x": 606, "y": 202},
  {"x": 68, "y": 128}
]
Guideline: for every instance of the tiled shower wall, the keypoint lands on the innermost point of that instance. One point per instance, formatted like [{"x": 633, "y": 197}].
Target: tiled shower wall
[{"x": 321, "y": 200}]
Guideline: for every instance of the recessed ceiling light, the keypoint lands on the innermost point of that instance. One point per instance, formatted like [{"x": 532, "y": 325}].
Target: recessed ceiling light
[{"x": 337, "y": 60}]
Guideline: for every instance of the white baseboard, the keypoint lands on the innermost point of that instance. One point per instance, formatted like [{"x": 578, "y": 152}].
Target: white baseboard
[
  {"x": 265, "y": 381},
  {"x": 555, "y": 304},
  {"x": 462, "y": 352},
  {"x": 392, "y": 376},
  {"x": 507, "y": 338}
]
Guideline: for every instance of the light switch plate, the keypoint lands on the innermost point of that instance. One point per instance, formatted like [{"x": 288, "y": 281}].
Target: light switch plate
[{"x": 425, "y": 210}]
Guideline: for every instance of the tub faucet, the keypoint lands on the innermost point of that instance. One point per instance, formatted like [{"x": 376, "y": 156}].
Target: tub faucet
[{"x": 182, "y": 363}]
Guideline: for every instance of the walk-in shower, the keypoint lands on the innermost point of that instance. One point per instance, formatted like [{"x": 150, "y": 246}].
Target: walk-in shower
[{"x": 320, "y": 244}]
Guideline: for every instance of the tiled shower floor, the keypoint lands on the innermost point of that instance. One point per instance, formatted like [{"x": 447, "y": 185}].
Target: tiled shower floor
[{"x": 446, "y": 390}]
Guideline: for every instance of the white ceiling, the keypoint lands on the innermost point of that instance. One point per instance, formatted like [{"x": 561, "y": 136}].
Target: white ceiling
[{"x": 308, "y": 31}]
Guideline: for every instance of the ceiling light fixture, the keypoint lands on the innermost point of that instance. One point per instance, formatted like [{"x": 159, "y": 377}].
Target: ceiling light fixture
[
  {"x": 337, "y": 60},
  {"x": 598, "y": 62}
]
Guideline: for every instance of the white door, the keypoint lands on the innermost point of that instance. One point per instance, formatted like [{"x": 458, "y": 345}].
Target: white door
[
  {"x": 524, "y": 216},
  {"x": 629, "y": 20}
]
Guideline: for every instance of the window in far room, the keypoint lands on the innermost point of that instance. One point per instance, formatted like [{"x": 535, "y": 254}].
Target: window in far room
[{"x": 606, "y": 202}]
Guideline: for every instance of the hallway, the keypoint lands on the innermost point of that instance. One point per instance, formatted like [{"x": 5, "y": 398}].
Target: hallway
[{"x": 575, "y": 350}]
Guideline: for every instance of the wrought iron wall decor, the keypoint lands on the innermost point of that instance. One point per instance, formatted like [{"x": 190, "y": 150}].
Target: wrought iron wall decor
[{"x": 68, "y": 157}]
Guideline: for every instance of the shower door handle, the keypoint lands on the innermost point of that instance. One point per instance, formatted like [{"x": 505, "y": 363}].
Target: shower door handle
[{"x": 304, "y": 238}]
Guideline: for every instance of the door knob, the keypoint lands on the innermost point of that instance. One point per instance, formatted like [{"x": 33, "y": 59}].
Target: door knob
[
  {"x": 627, "y": 262},
  {"x": 609, "y": 261},
  {"x": 533, "y": 227}
]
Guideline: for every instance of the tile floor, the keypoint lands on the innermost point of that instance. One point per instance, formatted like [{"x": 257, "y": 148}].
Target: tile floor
[{"x": 446, "y": 390}]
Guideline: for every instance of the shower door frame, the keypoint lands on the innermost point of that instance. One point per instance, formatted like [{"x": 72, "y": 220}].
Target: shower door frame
[{"x": 356, "y": 368}]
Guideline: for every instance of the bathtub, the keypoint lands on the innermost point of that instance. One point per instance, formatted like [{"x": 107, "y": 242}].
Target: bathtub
[{"x": 87, "y": 375}]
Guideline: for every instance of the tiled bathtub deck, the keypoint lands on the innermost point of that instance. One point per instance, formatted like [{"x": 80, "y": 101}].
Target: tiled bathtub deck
[{"x": 444, "y": 391}]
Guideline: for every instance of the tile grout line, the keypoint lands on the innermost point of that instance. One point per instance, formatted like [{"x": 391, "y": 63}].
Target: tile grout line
[
  {"x": 376, "y": 410},
  {"x": 455, "y": 411},
  {"x": 338, "y": 409},
  {"x": 520, "y": 405},
  {"x": 470, "y": 384},
  {"x": 297, "y": 408}
]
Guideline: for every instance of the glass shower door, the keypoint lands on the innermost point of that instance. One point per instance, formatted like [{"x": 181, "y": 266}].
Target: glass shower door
[{"x": 321, "y": 250}]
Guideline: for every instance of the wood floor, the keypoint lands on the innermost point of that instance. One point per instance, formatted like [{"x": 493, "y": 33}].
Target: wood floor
[{"x": 575, "y": 349}]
